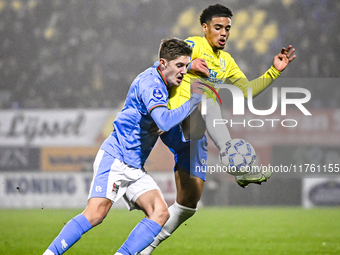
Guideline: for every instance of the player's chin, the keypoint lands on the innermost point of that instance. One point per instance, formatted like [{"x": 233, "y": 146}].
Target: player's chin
[
  {"x": 220, "y": 47},
  {"x": 178, "y": 81},
  {"x": 174, "y": 84}
]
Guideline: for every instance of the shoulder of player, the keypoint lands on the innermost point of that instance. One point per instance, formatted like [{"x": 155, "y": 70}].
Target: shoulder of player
[
  {"x": 151, "y": 80},
  {"x": 194, "y": 40}
]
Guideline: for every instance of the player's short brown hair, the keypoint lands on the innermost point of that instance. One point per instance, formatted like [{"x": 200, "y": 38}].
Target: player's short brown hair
[
  {"x": 171, "y": 49},
  {"x": 213, "y": 11}
]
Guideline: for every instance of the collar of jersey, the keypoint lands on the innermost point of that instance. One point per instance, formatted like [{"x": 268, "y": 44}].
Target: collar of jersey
[
  {"x": 162, "y": 77},
  {"x": 209, "y": 47}
]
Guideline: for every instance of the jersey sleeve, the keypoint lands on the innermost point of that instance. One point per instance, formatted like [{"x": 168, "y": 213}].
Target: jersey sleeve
[
  {"x": 194, "y": 43},
  {"x": 264, "y": 81},
  {"x": 167, "y": 119},
  {"x": 258, "y": 85},
  {"x": 153, "y": 95}
]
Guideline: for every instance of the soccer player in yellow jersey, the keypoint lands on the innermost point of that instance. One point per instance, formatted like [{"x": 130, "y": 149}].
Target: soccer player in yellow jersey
[{"x": 209, "y": 61}]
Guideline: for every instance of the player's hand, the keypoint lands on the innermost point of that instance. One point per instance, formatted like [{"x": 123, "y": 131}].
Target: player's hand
[
  {"x": 199, "y": 67},
  {"x": 154, "y": 130},
  {"x": 285, "y": 56},
  {"x": 197, "y": 87}
]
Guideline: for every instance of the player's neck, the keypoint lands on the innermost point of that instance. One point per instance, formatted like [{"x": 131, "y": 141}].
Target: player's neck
[
  {"x": 215, "y": 50},
  {"x": 162, "y": 77}
]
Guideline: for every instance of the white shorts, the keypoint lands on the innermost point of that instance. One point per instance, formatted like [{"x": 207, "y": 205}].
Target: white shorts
[{"x": 114, "y": 179}]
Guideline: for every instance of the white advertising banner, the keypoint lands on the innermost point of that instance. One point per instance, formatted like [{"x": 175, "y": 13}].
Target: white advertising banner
[
  {"x": 60, "y": 190},
  {"x": 52, "y": 127},
  {"x": 44, "y": 190}
]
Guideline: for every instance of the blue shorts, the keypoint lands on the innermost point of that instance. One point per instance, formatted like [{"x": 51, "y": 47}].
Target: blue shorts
[{"x": 190, "y": 155}]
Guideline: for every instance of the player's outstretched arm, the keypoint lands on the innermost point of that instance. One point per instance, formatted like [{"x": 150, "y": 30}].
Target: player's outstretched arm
[{"x": 282, "y": 60}]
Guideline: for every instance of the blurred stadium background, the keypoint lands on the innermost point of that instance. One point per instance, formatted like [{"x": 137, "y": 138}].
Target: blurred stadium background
[{"x": 66, "y": 67}]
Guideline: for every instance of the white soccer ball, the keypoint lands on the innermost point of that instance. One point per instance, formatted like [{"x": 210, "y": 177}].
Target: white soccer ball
[{"x": 237, "y": 157}]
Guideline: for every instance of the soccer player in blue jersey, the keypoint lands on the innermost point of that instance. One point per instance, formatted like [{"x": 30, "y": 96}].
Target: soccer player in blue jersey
[
  {"x": 118, "y": 167},
  {"x": 210, "y": 61}
]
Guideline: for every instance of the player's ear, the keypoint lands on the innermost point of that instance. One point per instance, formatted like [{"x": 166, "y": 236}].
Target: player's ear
[
  {"x": 162, "y": 63},
  {"x": 205, "y": 27}
]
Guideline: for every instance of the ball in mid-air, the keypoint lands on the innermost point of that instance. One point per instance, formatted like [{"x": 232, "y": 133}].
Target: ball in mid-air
[{"x": 238, "y": 156}]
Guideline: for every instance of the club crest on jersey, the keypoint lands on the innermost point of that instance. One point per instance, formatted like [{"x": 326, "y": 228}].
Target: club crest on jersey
[
  {"x": 222, "y": 63},
  {"x": 115, "y": 189},
  {"x": 157, "y": 94}
]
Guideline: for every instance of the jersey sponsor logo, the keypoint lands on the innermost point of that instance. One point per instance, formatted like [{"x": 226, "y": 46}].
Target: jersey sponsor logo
[
  {"x": 213, "y": 73},
  {"x": 157, "y": 94},
  {"x": 213, "y": 77}
]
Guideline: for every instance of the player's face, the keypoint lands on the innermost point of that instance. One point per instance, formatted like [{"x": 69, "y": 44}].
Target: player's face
[
  {"x": 217, "y": 32},
  {"x": 175, "y": 70}
]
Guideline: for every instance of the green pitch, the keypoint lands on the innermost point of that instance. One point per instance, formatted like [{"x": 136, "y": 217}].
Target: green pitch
[{"x": 237, "y": 230}]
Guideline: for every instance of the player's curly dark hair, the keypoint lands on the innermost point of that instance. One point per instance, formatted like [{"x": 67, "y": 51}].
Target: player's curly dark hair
[
  {"x": 173, "y": 48},
  {"x": 212, "y": 11}
]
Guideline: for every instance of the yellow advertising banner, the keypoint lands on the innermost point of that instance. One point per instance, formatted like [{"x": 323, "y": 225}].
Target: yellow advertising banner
[{"x": 67, "y": 159}]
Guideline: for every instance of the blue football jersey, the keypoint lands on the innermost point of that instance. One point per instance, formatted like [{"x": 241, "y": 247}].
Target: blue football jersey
[{"x": 130, "y": 140}]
